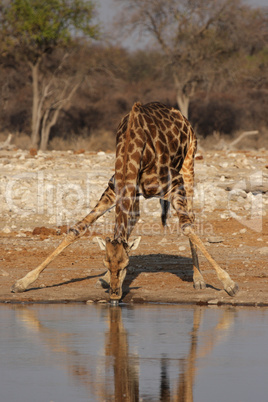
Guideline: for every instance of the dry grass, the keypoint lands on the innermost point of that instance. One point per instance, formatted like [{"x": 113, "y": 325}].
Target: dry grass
[
  {"x": 220, "y": 141},
  {"x": 98, "y": 141},
  {"x": 20, "y": 140},
  {"x": 103, "y": 140}
]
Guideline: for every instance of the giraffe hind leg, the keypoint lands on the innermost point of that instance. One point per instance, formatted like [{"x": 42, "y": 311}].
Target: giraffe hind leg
[{"x": 105, "y": 203}]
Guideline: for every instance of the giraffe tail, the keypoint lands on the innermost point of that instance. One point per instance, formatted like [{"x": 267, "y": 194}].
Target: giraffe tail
[{"x": 165, "y": 205}]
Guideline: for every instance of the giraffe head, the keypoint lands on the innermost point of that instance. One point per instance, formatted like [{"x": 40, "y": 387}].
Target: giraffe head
[{"x": 116, "y": 260}]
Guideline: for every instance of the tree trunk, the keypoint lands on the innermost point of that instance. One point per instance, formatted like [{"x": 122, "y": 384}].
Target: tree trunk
[
  {"x": 49, "y": 120},
  {"x": 51, "y": 114},
  {"x": 35, "y": 106},
  {"x": 183, "y": 103},
  {"x": 44, "y": 137},
  {"x": 183, "y": 100}
]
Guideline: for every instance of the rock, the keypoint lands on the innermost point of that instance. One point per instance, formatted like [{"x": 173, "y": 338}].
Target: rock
[
  {"x": 248, "y": 186},
  {"x": 235, "y": 193},
  {"x": 263, "y": 250},
  {"x": 32, "y": 151},
  {"x": 215, "y": 239},
  {"x": 163, "y": 241},
  {"x": 182, "y": 248},
  {"x": 213, "y": 301}
]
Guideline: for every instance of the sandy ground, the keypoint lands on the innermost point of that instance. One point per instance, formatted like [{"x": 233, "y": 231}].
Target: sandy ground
[{"x": 41, "y": 194}]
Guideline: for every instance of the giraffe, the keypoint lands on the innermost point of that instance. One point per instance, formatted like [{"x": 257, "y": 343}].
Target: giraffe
[{"x": 155, "y": 150}]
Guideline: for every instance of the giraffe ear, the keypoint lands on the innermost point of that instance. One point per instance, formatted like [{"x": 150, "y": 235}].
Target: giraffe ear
[
  {"x": 101, "y": 242},
  {"x": 134, "y": 244}
]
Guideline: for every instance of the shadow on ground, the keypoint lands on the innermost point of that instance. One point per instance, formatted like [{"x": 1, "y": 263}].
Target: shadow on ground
[{"x": 150, "y": 263}]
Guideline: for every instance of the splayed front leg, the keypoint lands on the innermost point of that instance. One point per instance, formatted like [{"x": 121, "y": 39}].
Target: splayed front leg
[
  {"x": 22, "y": 284},
  {"x": 229, "y": 285},
  {"x": 179, "y": 202},
  {"x": 198, "y": 279},
  {"x": 105, "y": 203}
]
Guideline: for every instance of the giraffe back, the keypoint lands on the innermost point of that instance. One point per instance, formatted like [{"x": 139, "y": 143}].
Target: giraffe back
[{"x": 151, "y": 138}]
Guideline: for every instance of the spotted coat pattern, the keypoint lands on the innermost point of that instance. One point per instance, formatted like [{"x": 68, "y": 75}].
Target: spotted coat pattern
[{"x": 154, "y": 157}]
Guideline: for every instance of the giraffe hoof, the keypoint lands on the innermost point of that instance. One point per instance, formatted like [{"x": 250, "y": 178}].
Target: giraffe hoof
[
  {"x": 232, "y": 289},
  {"x": 18, "y": 287},
  {"x": 200, "y": 284}
]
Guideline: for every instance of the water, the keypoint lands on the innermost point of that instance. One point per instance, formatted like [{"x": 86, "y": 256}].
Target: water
[{"x": 73, "y": 353}]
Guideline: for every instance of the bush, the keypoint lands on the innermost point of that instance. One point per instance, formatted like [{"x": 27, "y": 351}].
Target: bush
[{"x": 221, "y": 115}]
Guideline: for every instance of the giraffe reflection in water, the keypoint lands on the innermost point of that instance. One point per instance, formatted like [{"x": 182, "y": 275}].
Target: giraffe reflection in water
[{"x": 116, "y": 376}]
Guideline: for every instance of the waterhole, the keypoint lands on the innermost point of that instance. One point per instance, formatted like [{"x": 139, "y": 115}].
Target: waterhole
[{"x": 78, "y": 352}]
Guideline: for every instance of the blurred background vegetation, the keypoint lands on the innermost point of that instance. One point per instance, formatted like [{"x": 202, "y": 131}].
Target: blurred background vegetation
[{"x": 66, "y": 81}]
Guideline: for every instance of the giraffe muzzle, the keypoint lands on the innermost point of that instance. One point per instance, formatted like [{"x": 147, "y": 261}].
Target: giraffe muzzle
[{"x": 115, "y": 294}]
